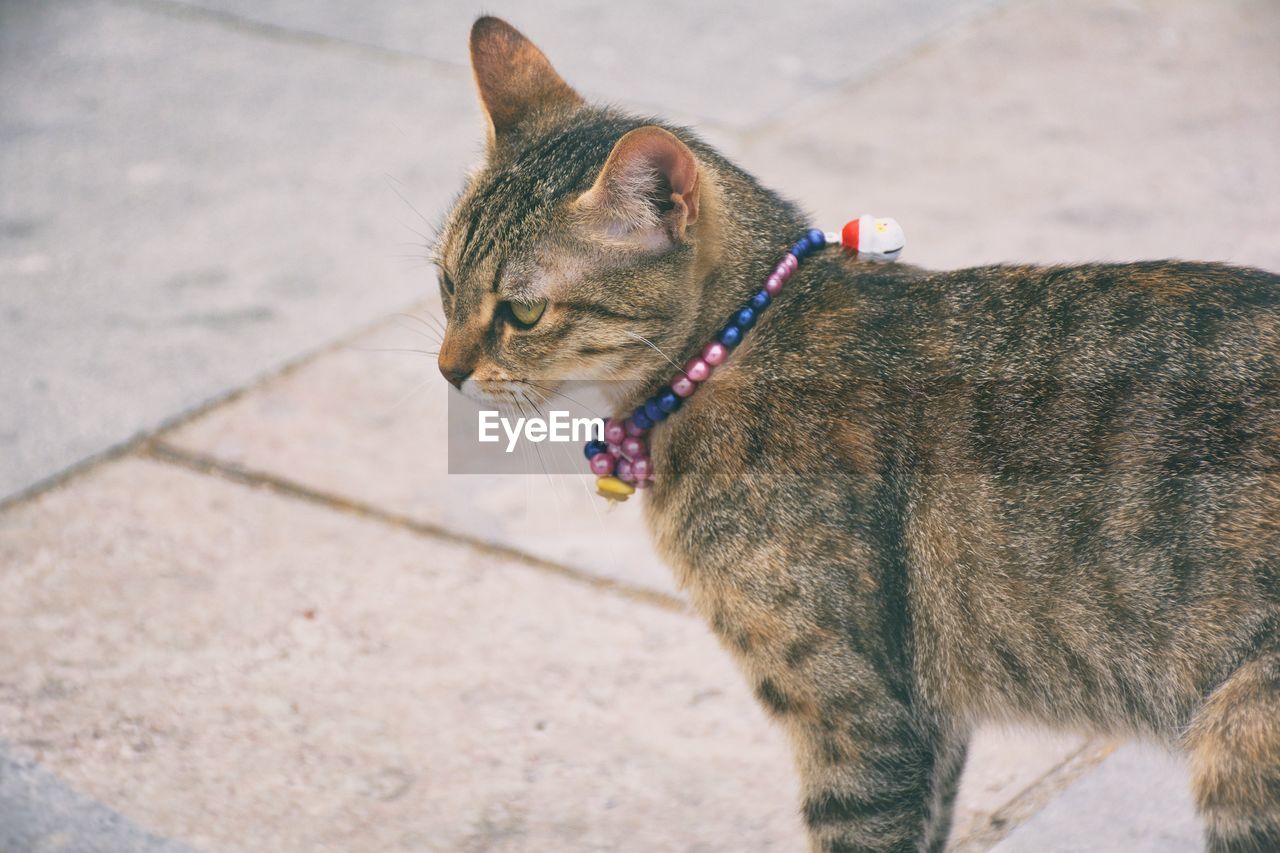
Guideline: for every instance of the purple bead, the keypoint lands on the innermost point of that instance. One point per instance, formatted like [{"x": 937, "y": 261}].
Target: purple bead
[
  {"x": 632, "y": 447},
  {"x": 624, "y": 471},
  {"x": 614, "y": 431},
  {"x": 602, "y": 464},
  {"x": 642, "y": 469},
  {"x": 615, "y": 449},
  {"x": 697, "y": 370},
  {"x": 634, "y": 428},
  {"x": 683, "y": 385},
  {"x": 790, "y": 262},
  {"x": 715, "y": 353},
  {"x": 816, "y": 237},
  {"x": 773, "y": 284}
]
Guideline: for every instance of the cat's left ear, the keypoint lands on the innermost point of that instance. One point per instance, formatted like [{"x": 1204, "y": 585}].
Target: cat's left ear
[
  {"x": 514, "y": 78},
  {"x": 647, "y": 192}
]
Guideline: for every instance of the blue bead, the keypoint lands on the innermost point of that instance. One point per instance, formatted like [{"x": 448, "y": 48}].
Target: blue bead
[
  {"x": 653, "y": 411},
  {"x": 802, "y": 248},
  {"x": 731, "y": 336},
  {"x": 817, "y": 238},
  {"x": 745, "y": 318},
  {"x": 667, "y": 400},
  {"x": 760, "y": 301},
  {"x": 641, "y": 419},
  {"x": 594, "y": 447}
]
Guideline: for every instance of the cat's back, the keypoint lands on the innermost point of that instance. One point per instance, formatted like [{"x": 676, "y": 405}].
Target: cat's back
[{"x": 1088, "y": 451}]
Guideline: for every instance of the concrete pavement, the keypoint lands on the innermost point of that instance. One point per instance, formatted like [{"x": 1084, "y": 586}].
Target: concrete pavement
[{"x": 279, "y": 624}]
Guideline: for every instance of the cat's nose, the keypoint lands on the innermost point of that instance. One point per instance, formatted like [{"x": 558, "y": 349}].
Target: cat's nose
[{"x": 455, "y": 373}]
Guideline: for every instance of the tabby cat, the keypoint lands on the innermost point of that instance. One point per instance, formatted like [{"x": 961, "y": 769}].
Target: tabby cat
[{"x": 910, "y": 501}]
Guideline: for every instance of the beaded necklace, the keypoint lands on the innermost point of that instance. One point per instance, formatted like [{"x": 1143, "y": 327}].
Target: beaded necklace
[{"x": 621, "y": 461}]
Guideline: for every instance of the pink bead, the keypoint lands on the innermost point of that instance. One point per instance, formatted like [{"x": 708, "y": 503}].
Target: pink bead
[
  {"x": 697, "y": 370},
  {"x": 642, "y": 469},
  {"x": 773, "y": 285},
  {"x": 782, "y": 271},
  {"x": 615, "y": 449},
  {"x": 602, "y": 464},
  {"x": 714, "y": 353},
  {"x": 632, "y": 429},
  {"x": 632, "y": 447},
  {"x": 624, "y": 471},
  {"x": 614, "y": 431},
  {"x": 642, "y": 484},
  {"x": 683, "y": 385},
  {"x": 790, "y": 262}
]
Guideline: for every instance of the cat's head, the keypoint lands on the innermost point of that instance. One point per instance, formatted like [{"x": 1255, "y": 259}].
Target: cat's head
[{"x": 583, "y": 231}]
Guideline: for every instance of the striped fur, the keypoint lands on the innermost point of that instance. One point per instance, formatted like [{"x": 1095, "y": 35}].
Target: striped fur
[{"x": 915, "y": 501}]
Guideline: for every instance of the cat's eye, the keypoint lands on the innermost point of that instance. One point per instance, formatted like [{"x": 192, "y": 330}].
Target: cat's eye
[
  {"x": 526, "y": 314},
  {"x": 446, "y": 282}
]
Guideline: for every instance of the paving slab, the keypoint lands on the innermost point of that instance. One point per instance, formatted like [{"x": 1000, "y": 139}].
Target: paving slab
[
  {"x": 732, "y": 64},
  {"x": 186, "y": 207},
  {"x": 1137, "y": 801},
  {"x": 236, "y": 670},
  {"x": 1058, "y": 132}
]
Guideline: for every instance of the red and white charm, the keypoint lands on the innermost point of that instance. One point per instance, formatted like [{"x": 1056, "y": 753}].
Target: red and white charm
[{"x": 872, "y": 239}]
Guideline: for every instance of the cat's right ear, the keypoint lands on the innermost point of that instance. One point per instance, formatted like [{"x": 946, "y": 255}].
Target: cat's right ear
[
  {"x": 647, "y": 193},
  {"x": 515, "y": 79}
]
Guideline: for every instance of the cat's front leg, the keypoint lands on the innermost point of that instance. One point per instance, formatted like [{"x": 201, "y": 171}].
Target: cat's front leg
[
  {"x": 877, "y": 771},
  {"x": 873, "y": 777}
]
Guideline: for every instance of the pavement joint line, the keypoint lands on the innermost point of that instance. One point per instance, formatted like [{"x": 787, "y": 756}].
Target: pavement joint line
[
  {"x": 276, "y": 32},
  {"x": 176, "y": 421},
  {"x": 783, "y": 116},
  {"x": 161, "y": 451},
  {"x": 1022, "y": 806}
]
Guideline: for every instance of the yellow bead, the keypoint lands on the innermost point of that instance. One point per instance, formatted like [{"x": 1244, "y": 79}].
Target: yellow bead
[{"x": 614, "y": 489}]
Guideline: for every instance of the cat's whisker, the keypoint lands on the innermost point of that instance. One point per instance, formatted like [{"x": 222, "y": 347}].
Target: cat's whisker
[
  {"x": 429, "y": 320},
  {"x": 407, "y": 397},
  {"x": 403, "y": 198},
  {"x": 569, "y": 457},
  {"x": 556, "y": 392},
  {"x": 434, "y": 336},
  {"x": 654, "y": 346},
  {"x": 395, "y": 349},
  {"x": 526, "y": 459},
  {"x": 586, "y": 490},
  {"x": 538, "y": 452}
]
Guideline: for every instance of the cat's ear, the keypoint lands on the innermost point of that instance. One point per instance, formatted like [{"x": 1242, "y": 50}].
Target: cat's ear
[
  {"x": 514, "y": 77},
  {"x": 647, "y": 191}
]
